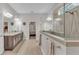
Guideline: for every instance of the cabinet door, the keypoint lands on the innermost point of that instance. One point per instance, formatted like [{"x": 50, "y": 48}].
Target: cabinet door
[
  {"x": 8, "y": 43},
  {"x": 49, "y": 46},
  {"x": 43, "y": 44},
  {"x": 60, "y": 49},
  {"x": 46, "y": 45},
  {"x": 5, "y": 42}
]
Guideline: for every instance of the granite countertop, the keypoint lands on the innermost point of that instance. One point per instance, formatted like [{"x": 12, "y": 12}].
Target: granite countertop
[
  {"x": 55, "y": 33},
  {"x": 59, "y": 38},
  {"x": 11, "y": 33}
]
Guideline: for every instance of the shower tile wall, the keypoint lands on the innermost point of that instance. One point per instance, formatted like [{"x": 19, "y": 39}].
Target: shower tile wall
[
  {"x": 72, "y": 25},
  {"x": 69, "y": 24}
]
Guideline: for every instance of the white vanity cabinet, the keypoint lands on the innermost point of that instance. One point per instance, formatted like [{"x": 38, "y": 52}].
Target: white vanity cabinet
[
  {"x": 50, "y": 46},
  {"x": 59, "y": 48},
  {"x": 43, "y": 43},
  {"x": 46, "y": 44}
]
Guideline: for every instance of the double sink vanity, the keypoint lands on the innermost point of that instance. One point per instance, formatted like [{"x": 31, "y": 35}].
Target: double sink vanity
[
  {"x": 12, "y": 39},
  {"x": 55, "y": 44}
]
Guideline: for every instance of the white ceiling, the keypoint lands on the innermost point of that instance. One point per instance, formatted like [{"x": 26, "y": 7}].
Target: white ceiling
[{"x": 24, "y": 8}]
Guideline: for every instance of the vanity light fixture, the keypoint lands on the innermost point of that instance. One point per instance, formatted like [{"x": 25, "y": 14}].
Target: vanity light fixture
[
  {"x": 59, "y": 13},
  {"x": 16, "y": 19},
  {"x": 49, "y": 19},
  {"x": 7, "y": 14},
  {"x": 58, "y": 19},
  {"x": 19, "y": 22}
]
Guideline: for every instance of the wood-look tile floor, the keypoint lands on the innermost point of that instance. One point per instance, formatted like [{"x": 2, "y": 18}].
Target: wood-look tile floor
[{"x": 28, "y": 47}]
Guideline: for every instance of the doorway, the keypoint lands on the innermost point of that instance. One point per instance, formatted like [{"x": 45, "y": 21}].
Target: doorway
[{"x": 32, "y": 30}]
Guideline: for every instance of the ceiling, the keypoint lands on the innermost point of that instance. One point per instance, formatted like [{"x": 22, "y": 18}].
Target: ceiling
[{"x": 24, "y": 8}]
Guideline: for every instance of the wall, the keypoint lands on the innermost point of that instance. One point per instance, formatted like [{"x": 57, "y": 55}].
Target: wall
[
  {"x": 4, "y": 7},
  {"x": 38, "y": 18},
  {"x": 1, "y": 31},
  {"x": 9, "y": 9},
  {"x": 1, "y": 35}
]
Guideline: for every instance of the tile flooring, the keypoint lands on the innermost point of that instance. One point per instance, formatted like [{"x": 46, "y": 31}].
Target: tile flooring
[{"x": 26, "y": 47}]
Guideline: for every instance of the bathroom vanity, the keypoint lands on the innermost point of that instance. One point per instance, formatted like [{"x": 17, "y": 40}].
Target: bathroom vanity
[
  {"x": 64, "y": 37},
  {"x": 55, "y": 45},
  {"x": 52, "y": 44},
  {"x": 12, "y": 39}
]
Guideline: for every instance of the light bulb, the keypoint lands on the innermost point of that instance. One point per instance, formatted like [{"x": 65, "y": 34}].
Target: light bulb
[{"x": 7, "y": 14}]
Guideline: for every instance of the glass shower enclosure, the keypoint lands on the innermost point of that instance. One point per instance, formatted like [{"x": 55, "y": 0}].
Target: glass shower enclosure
[{"x": 66, "y": 20}]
